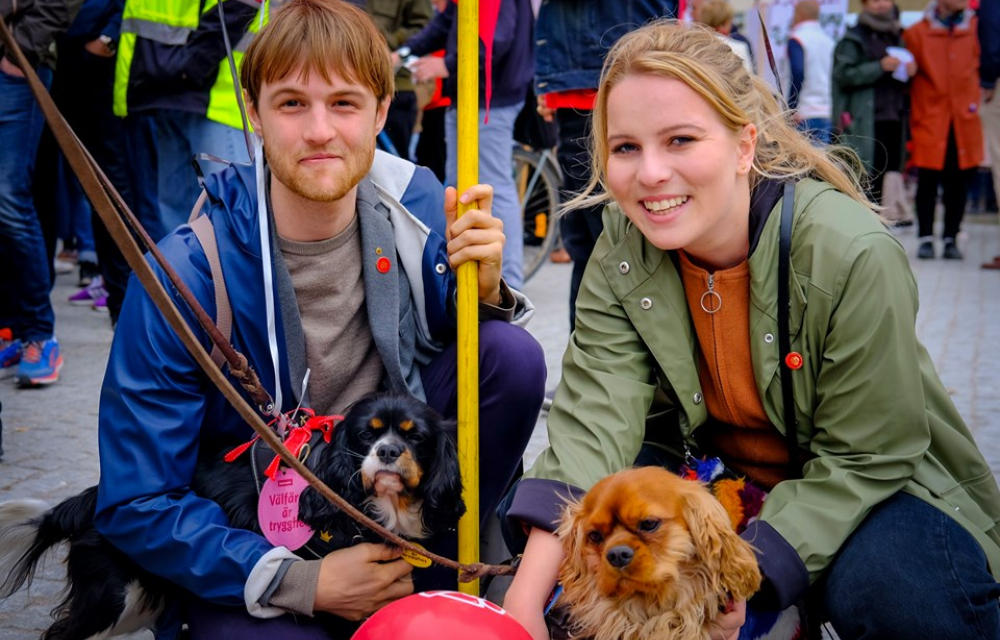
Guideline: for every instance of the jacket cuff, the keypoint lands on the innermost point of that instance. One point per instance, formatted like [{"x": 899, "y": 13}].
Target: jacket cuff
[
  {"x": 540, "y": 503},
  {"x": 266, "y": 574},
  {"x": 502, "y": 311},
  {"x": 785, "y": 575},
  {"x": 296, "y": 590}
]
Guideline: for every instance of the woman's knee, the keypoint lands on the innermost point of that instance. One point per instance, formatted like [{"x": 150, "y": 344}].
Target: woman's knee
[{"x": 910, "y": 571}]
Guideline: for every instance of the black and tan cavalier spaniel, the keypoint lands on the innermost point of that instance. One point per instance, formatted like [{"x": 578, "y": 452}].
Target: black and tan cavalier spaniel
[{"x": 392, "y": 456}]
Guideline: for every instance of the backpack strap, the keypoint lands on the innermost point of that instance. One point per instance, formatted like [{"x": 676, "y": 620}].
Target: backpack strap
[
  {"x": 784, "y": 335},
  {"x": 205, "y": 232}
]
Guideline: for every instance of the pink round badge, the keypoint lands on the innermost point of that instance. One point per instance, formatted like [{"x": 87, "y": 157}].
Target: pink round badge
[{"x": 278, "y": 510}]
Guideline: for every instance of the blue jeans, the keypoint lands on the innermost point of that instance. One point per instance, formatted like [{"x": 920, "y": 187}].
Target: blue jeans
[
  {"x": 21, "y": 240},
  {"x": 74, "y": 212},
  {"x": 163, "y": 144},
  {"x": 911, "y": 572},
  {"x": 496, "y": 150},
  {"x": 819, "y": 129}
]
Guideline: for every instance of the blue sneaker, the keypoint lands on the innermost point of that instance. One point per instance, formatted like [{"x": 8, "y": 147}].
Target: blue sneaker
[
  {"x": 10, "y": 353},
  {"x": 40, "y": 363}
]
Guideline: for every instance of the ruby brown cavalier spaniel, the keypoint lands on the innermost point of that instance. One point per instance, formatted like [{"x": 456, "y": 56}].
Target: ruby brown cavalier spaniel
[{"x": 651, "y": 555}]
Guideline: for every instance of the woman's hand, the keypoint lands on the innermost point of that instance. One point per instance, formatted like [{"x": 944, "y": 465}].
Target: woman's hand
[
  {"x": 477, "y": 235},
  {"x": 728, "y": 625},
  {"x": 889, "y": 64},
  {"x": 533, "y": 582}
]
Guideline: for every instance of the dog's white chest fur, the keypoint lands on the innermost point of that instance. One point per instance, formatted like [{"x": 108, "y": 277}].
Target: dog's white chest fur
[
  {"x": 134, "y": 616},
  {"x": 405, "y": 522}
]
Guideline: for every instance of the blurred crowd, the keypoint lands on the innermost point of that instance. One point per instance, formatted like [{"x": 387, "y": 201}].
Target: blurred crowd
[{"x": 148, "y": 88}]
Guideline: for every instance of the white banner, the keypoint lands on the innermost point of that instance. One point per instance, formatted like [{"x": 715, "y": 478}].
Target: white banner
[{"x": 778, "y": 18}]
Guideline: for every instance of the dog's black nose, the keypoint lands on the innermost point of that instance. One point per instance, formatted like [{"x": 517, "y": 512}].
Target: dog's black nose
[
  {"x": 389, "y": 452},
  {"x": 620, "y": 556}
]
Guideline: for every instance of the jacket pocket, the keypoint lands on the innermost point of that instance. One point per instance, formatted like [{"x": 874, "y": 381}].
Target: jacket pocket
[{"x": 977, "y": 500}]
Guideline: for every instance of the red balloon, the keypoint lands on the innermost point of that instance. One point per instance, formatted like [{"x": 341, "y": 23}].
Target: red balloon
[{"x": 441, "y": 615}]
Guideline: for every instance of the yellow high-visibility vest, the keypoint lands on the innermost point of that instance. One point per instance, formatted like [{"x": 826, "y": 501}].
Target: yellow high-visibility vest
[
  {"x": 222, "y": 105},
  {"x": 166, "y": 21},
  {"x": 171, "y": 22}
]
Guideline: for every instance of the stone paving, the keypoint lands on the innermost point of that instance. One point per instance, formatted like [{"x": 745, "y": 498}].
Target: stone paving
[{"x": 50, "y": 435}]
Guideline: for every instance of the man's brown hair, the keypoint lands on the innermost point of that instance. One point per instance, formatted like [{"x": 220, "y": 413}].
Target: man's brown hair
[
  {"x": 805, "y": 10},
  {"x": 319, "y": 36},
  {"x": 716, "y": 13}
]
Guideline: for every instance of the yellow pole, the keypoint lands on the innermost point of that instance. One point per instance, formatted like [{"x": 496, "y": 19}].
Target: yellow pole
[{"x": 468, "y": 290}]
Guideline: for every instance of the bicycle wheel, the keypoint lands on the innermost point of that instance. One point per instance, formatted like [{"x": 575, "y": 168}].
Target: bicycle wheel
[{"x": 537, "y": 178}]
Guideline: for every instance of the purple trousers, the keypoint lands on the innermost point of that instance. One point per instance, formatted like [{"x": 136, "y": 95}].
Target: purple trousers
[{"x": 511, "y": 388}]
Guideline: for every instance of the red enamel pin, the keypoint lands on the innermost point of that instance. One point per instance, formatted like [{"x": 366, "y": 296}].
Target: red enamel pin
[
  {"x": 383, "y": 265},
  {"x": 793, "y": 360}
]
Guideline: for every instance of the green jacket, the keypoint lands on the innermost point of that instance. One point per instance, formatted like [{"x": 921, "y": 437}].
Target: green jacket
[
  {"x": 398, "y": 20},
  {"x": 869, "y": 404},
  {"x": 854, "y": 77}
]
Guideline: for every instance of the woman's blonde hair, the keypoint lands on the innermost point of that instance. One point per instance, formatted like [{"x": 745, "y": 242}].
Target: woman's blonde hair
[
  {"x": 319, "y": 36},
  {"x": 704, "y": 62}
]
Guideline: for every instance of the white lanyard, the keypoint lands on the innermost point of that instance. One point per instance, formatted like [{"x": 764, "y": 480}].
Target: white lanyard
[{"x": 266, "y": 263}]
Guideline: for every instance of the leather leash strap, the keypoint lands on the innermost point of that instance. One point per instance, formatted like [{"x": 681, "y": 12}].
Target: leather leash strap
[{"x": 114, "y": 214}]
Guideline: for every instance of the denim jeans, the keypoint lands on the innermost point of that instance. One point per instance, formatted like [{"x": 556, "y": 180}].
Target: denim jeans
[
  {"x": 819, "y": 129},
  {"x": 911, "y": 572},
  {"x": 21, "y": 239},
  {"x": 162, "y": 146},
  {"x": 496, "y": 144},
  {"x": 74, "y": 212}
]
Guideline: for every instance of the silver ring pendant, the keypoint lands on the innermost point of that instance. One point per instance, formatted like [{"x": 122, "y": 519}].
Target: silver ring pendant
[{"x": 712, "y": 296}]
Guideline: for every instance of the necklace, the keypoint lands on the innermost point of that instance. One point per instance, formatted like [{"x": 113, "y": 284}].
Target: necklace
[{"x": 711, "y": 301}]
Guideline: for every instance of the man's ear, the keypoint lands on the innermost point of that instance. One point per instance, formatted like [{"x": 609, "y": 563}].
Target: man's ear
[
  {"x": 252, "y": 114},
  {"x": 381, "y": 114},
  {"x": 747, "y": 146}
]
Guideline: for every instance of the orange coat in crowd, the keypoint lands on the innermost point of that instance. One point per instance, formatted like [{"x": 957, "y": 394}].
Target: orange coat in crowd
[{"x": 945, "y": 90}]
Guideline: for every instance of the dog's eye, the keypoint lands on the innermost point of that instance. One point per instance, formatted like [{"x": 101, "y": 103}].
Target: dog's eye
[
  {"x": 415, "y": 437},
  {"x": 366, "y": 436},
  {"x": 595, "y": 537},
  {"x": 649, "y": 525}
]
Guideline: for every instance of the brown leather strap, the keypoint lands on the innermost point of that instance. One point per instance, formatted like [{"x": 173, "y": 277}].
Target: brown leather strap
[{"x": 205, "y": 232}]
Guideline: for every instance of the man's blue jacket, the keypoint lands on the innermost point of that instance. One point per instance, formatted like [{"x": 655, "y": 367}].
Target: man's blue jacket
[{"x": 158, "y": 408}]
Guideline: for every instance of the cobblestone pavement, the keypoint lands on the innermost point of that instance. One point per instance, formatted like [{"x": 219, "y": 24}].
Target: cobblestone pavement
[{"x": 50, "y": 435}]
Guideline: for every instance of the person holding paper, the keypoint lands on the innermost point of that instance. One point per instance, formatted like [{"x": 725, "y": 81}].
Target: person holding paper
[{"x": 870, "y": 87}]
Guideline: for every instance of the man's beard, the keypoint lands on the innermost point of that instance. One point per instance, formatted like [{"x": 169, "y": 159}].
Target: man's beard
[{"x": 356, "y": 165}]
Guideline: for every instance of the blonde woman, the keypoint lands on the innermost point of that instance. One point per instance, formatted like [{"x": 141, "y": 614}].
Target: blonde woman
[{"x": 882, "y": 495}]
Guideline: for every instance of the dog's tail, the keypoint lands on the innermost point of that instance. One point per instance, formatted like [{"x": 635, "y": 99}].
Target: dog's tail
[{"x": 29, "y": 528}]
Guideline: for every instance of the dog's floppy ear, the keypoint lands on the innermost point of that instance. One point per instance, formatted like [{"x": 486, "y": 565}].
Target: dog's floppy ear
[
  {"x": 335, "y": 465},
  {"x": 727, "y": 560},
  {"x": 572, "y": 533},
  {"x": 443, "y": 503}
]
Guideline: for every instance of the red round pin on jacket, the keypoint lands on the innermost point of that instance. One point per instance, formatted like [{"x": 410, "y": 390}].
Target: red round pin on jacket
[
  {"x": 793, "y": 360},
  {"x": 383, "y": 265}
]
